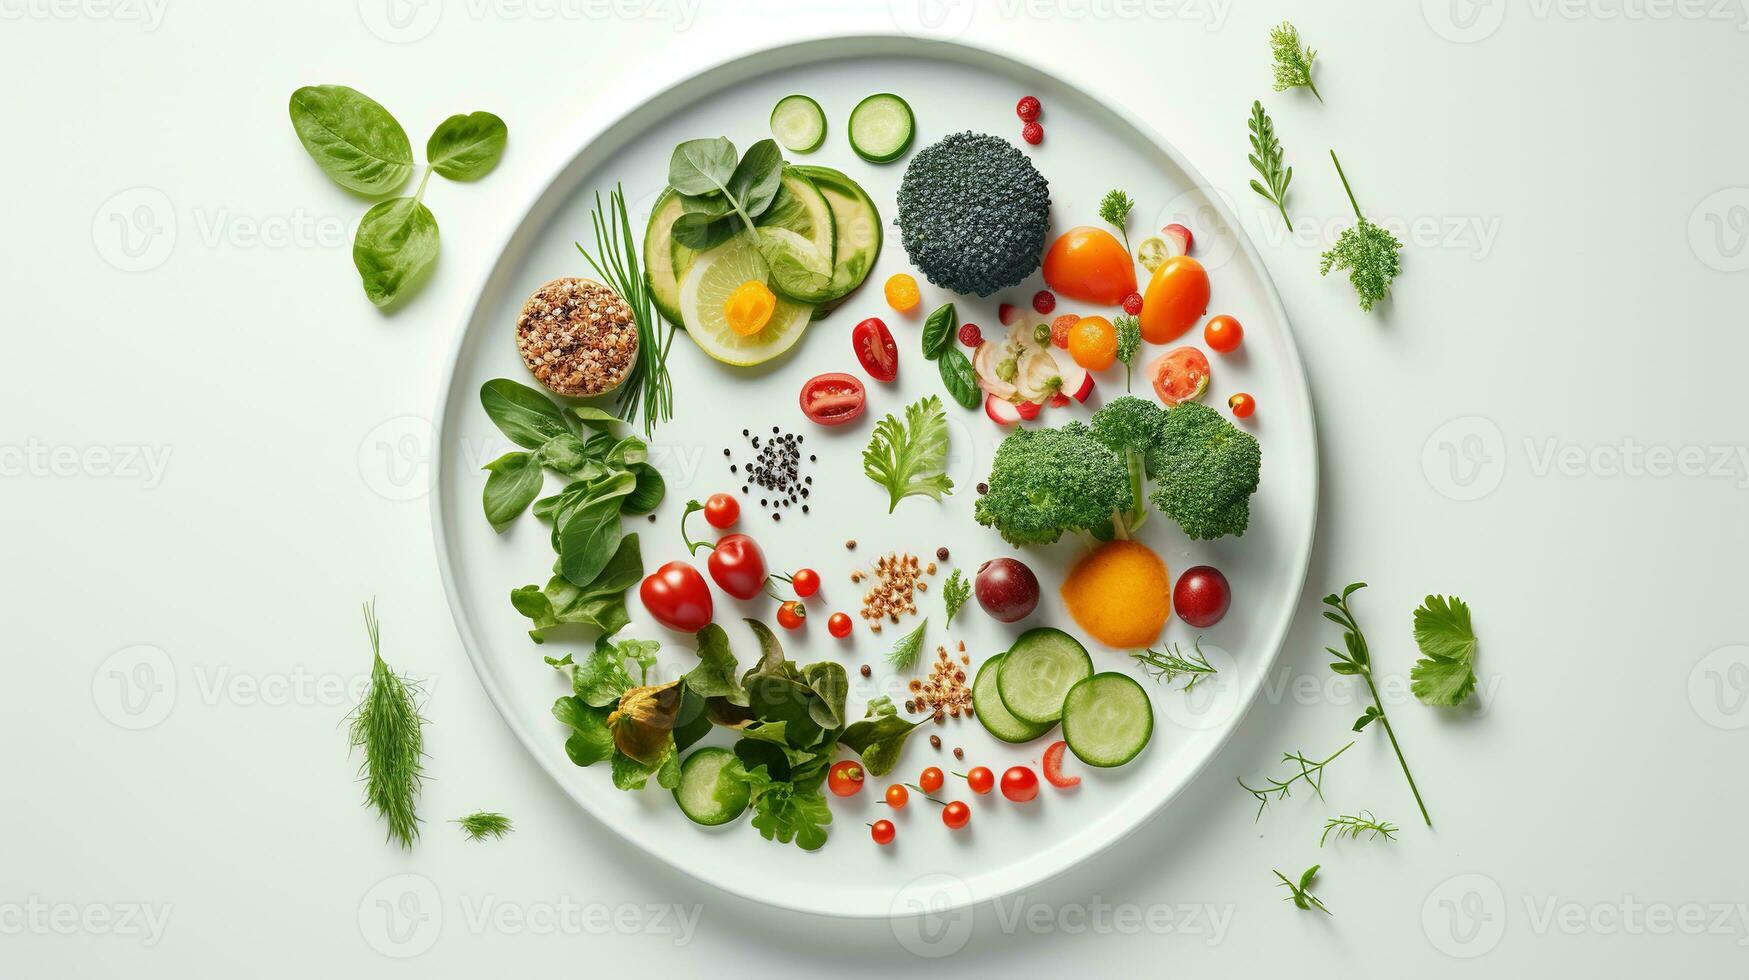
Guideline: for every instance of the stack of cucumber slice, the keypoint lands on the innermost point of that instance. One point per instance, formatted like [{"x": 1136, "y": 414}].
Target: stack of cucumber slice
[
  {"x": 1047, "y": 677},
  {"x": 819, "y": 239}
]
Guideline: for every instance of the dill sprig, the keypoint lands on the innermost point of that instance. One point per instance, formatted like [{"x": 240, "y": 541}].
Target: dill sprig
[
  {"x": 1167, "y": 666},
  {"x": 1293, "y": 63},
  {"x": 616, "y": 262},
  {"x": 1266, "y": 160},
  {"x": 905, "y": 652},
  {"x": 1299, "y": 894},
  {"x": 387, "y": 725},
  {"x": 1369, "y": 252},
  {"x": 1311, "y": 772},
  {"x": 482, "y": 824},
  {"x": 1353, "y": 825},
  {"x": 1115, "y": 210}
]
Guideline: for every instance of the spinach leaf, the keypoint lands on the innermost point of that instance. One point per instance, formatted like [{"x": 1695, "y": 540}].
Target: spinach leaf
[
  {"x": 595, "y": 417},
  {"x": 396, "y": 243},
  {"x": 938, "y": 330},
  {"x": 756, "y": 179},
  {"x": 591, "y": 741},
  {"x": 647, "y": 495},
  {"x": 600, "y": 605},
  {"x": 352, "y": 138},
  {"x": 527, "y": 417},
  {"x": 701, "y": 166},
  {"x": 563, "y": 452},
  {"x": 588, "y": 535},
  {"x": 514, "y": 482},
  {"x": 879, "y": 737},
  {"x": 957, "y": 375},
  {"x": 715, "y": 674},
  {"x": 627, "y": 451},
  {"x": 701, "y": 232},
  {"x": 467, "y": 147}
]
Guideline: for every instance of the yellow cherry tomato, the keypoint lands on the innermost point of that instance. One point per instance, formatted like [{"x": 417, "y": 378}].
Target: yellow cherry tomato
[
  {"x": 902, "y": 294},
  {"x": 748, "y": 309},
  {"x": 1093, "y": 343}
]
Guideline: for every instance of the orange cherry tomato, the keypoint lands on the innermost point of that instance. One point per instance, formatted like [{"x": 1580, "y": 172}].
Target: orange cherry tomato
[
  {"x": 845, "y": 778},
  {"x": 1093, "y": 343},
  {"x": 1177, "y": 297},
  {"x": 897, "y": 796},
  {"x": 1091, "y": 265},
  {"x": 1223, "y": 334},
  {"x": 902, "y": 294},
  {"x": 1060, "y": 328}
]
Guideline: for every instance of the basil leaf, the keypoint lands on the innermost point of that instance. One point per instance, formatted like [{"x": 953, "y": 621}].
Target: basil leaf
[
  {"x": 588, "y": 535},
  {"x": 527, "y": 417},
  {"x": 701, "y": 166},
  {"x": 396, "y": 242},
  {"x": 957, "y": 375},
  {"x": 938, "y": 330},
  {"x": 648, "y": 494},
  {"x": 467, "y": 147},
  {"x": 352, "y": 138},
  {"x": 699, "y": 231},
  {"x": 514, "y": 482},
  {"x": 756, "y": 179}
]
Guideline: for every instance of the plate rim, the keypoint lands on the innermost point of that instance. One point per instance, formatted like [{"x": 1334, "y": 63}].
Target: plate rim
[{"x": 573, "y": 144}]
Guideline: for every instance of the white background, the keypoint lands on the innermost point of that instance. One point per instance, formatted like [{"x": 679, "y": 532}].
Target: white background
[{"x": 1546, "y": 419}]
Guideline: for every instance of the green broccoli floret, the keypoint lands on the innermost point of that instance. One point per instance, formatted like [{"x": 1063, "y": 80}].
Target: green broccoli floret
[
  {"x": 1207, "y": 473},
  {"x": 1133, "y": 429},
  {"x": 1047, "y": 481}
]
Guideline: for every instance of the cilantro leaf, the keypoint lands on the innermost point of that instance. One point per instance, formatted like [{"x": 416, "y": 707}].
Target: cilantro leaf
[
  {"x": 1445, "y": 674},
  {"x": 910, "y": 458}
]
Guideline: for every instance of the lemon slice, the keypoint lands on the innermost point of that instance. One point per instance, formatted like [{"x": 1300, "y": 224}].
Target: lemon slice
[{"x": 713, "y": 278}]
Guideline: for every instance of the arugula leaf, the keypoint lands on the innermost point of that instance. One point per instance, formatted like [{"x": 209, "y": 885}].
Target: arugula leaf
[
  {"x": 904, "y": 655},
  {"x": 467, "y": 147},
  {"x": 954, "y": 593},
  {"x": 714, "y": 677},
  {"x": 910, "y": 458},
  {"x": 1445, "y": 674},
  {"x": 879, "y": 737},
  {"x": 514, "y": 482},
  {"x": 352, "y": 138},
  {"x": 395, "y": 244}
]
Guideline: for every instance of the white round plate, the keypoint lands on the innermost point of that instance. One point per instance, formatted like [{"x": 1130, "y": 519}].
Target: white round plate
[{"x": 1087, "y": 151}]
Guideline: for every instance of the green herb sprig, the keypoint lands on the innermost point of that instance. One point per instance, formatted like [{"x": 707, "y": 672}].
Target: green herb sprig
[
  {"x": 1357, "y": 661},
  {"x": 1310, "y": 771},
  {"x": 1266, "y": 160},
  {"x": 1129, "y": 342},
  {"x": 1293, "y": 63},
  {"x": 1299, "y": 894},
  {"x": 1170, "y": 664},
  {"x": 482, "y": 824},
  {"x": 905, "y": 652},
  {"x": 1352, "y": 826},
  {"x": 909, "y": 458},
  {"x": 1115, "y": 210},
  {"x": 1445, "y": 675},
  {"x": 954, "y": 593},
  {"x": 615, "y": 260},
  {"x": 387, "y": 725},
  {"x": 1368, "y": 252}
]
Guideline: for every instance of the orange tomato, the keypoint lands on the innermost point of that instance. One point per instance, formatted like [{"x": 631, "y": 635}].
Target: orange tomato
[
  {"x": 1223, "y": 334},
  {"x": 1177, "y": 297},
  {"x": 902, "y": 294},
  {"x": 1091, "y": 265},
  {"x": 1093, "y": 343}
]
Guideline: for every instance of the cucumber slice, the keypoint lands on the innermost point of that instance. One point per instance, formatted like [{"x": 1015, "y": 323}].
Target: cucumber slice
[
  {"x": 987, "y": 705},
  {"x": 800, "y": 207},
  {"x": 1037, "y": 673},
  {"x": 881, "y": 128},
  {"x": 698, "y": 794},
  {"x": 799, "y": 123},
  {"x": 1107, "y": 719},
  {"x": 857, "y": 227},
  {"x": 665, "y": 260}
]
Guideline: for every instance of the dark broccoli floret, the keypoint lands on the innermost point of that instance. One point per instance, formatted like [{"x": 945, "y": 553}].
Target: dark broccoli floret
[
  {"x": 1208, "y": 471},
  {"x": 973, "y": 212},
  {"x": 1047, "y": 481},
  {"x": 1133, "y": 429}
]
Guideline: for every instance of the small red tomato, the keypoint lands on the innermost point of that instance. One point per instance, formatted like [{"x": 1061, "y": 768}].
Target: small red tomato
[
  {"x": 1053, "y": 766},
  {"x": 722, "y": 510},
  {"x": 970, "y": 335},
  {"x": 1033, "y": 133},
  {"x": 1132, "y": 304},
  {"x": 956, "y": 815},
  {"x": 677, "y": 596},
  {"x": 980, "y": 780},
  {"x": 806, "y": 582},
  {"x": 1060, "y": 328},
  {"x": 1201, "y": 596},
  {"x": 1028, "y": 108},
  {"x": 838, "y": 625},
  {"x": 791, "y": 615},
  {"x": 875, "y": 349},
  {"x": 882, "y": 831},
  {"x": 1223, "y": 334},
  {"x": 1242, "y": 405},
  {"x": 845, "y": 778},
  {"x": 897, "y": 796},
  {"x": 833, "y": 398},
  {"x": 929, "y": 781},
  {"x": 737, "y": 565},
  {"x": 1043, "y": 301},
  {"x": 1019, "y": 784}
]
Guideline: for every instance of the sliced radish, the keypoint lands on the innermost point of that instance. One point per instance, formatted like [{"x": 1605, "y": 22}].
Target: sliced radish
[
  {"x": 984, "y": 362},
  {"x": 1008, "y": 313},
  {"x": 1077, "y": 381},
  {"x": 1039, "y": 375},
  {"x": 1178, "y": 240},
  {"x": 1001, "y": 410},
  {"x": 1027, "y": 410},
  {"x": 1059, "y": 400}
]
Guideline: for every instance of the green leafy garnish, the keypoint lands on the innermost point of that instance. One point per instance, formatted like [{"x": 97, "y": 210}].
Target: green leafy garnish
[
  {"x": 483, "y": 824},
  {"x": 387, "y": 725},
  {"x": 1352, "y": 826},
  {"x": 785, "y": 811},
  {"x": 615, "y": 260},
  {"x": 910, "y": 458},
  {"x": 467, "y": 147},
  {"x": 1171, "y": 664},
  {"x": 1293, "y": 63},
  {"x": 954, "y": 593},
  {"x": 1368, "y": 252},
  {"x": 1303, "y": 899},
  {"x": 716, "y": 190},
  {"x": 1445, "y": 675},
  {"x": 1129, "y": 341},
  {"x": 938, "y": 330},
  {"x": 1310, "y": 771},
  {"x": 1357, "y": 661},
  {"x": 879, "y": 736},
  {"x": 1114, "y": 210},
  {"x": 904, "y": 655},
  {"x": 1266, "y": 160}
]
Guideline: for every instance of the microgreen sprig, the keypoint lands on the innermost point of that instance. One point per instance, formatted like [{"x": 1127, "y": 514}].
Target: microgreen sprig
[
  {"x": 482, "y": 824},
  {"x": 1299, "y": 894},
  {"x": 1115, "y": 210},
  {"x": 1293, "y": 63},
  {"x": 1368, "y": 252},
  {"x": 1172, "y": 663},
  {"x": 1353, "y": 825},
  {"x": 1357, "y": 661},
  {"x": 1266, "y": 160},
  {"x": 1310, "y": 771},
  {"x": 1129, "y": 341}
]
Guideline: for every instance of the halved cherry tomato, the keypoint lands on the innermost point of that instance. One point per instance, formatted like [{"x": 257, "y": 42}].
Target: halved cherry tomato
[
  {"x": 722, "y": 510},
  {"x": 737, "y": 565},
  {"x": 930, "y": 780},
  {"x": 1177, "y": 297},
  {"x": 897, "y": 796},
  {"x": 980, "y": 780},
  {"x": 1053, "y": 767},
  {"x": 845, "y": 778},
  {"x": 1180, "y": 375},
  {"x": 1223, "y": 334},
  {"x": 832, "y": 399},
  {"x": 1019, "y": 784},
  {"x": 875, "y": 349},
  {"x": 791, "y": 615},
  {"x": 1091, "y": 265},
  {"x": 805, "y": 581},
  {"x": 838, "y": 625},
  {"x": 956, "y": 815},
  {"x": 676, "y": 595}
]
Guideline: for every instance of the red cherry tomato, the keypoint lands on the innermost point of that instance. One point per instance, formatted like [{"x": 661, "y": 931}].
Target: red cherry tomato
[
  {"x": 737, "y": 566},
  {"x": 1053, "y": 766},
  {"x": 838, "y": 625},
  {"x": 1043, "y": 302},
  {"x": 1223, "y": 334},
  {"x": 791, "y": 615},
  {"x": 845, "y": 778},
  {"x": 980, "y": 780},
  {"x": 1201, "y": 596},
  {"x": 722, "y": 510},
  {"x": 1242, "y": 405},
  {"x": 806, "y": 582},
  {"x": 1019, "y": 784},
  {"x": 929, "y": 781},
  {"x": 677, "y": 597},
  {"x": 882, "y": 831},
  {"x": 832, "y": 399},
  {"x": 875, "y": 349},
  {"x": 897, "y": 796},
  {"x": 956, "y": 815}
]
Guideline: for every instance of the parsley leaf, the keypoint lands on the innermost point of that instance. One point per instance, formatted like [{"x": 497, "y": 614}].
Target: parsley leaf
[
  {"x": 1368, "y": 252},
  {"x": 1445, "y": 674},
  {"x": 910, "y": 458}
]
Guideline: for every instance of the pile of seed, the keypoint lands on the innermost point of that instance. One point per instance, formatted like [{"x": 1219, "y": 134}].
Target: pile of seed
[
  {"x": 945, "y": 694},
  {"x": 775, "y": 469},
  {"x": 897, "y": 580}
]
